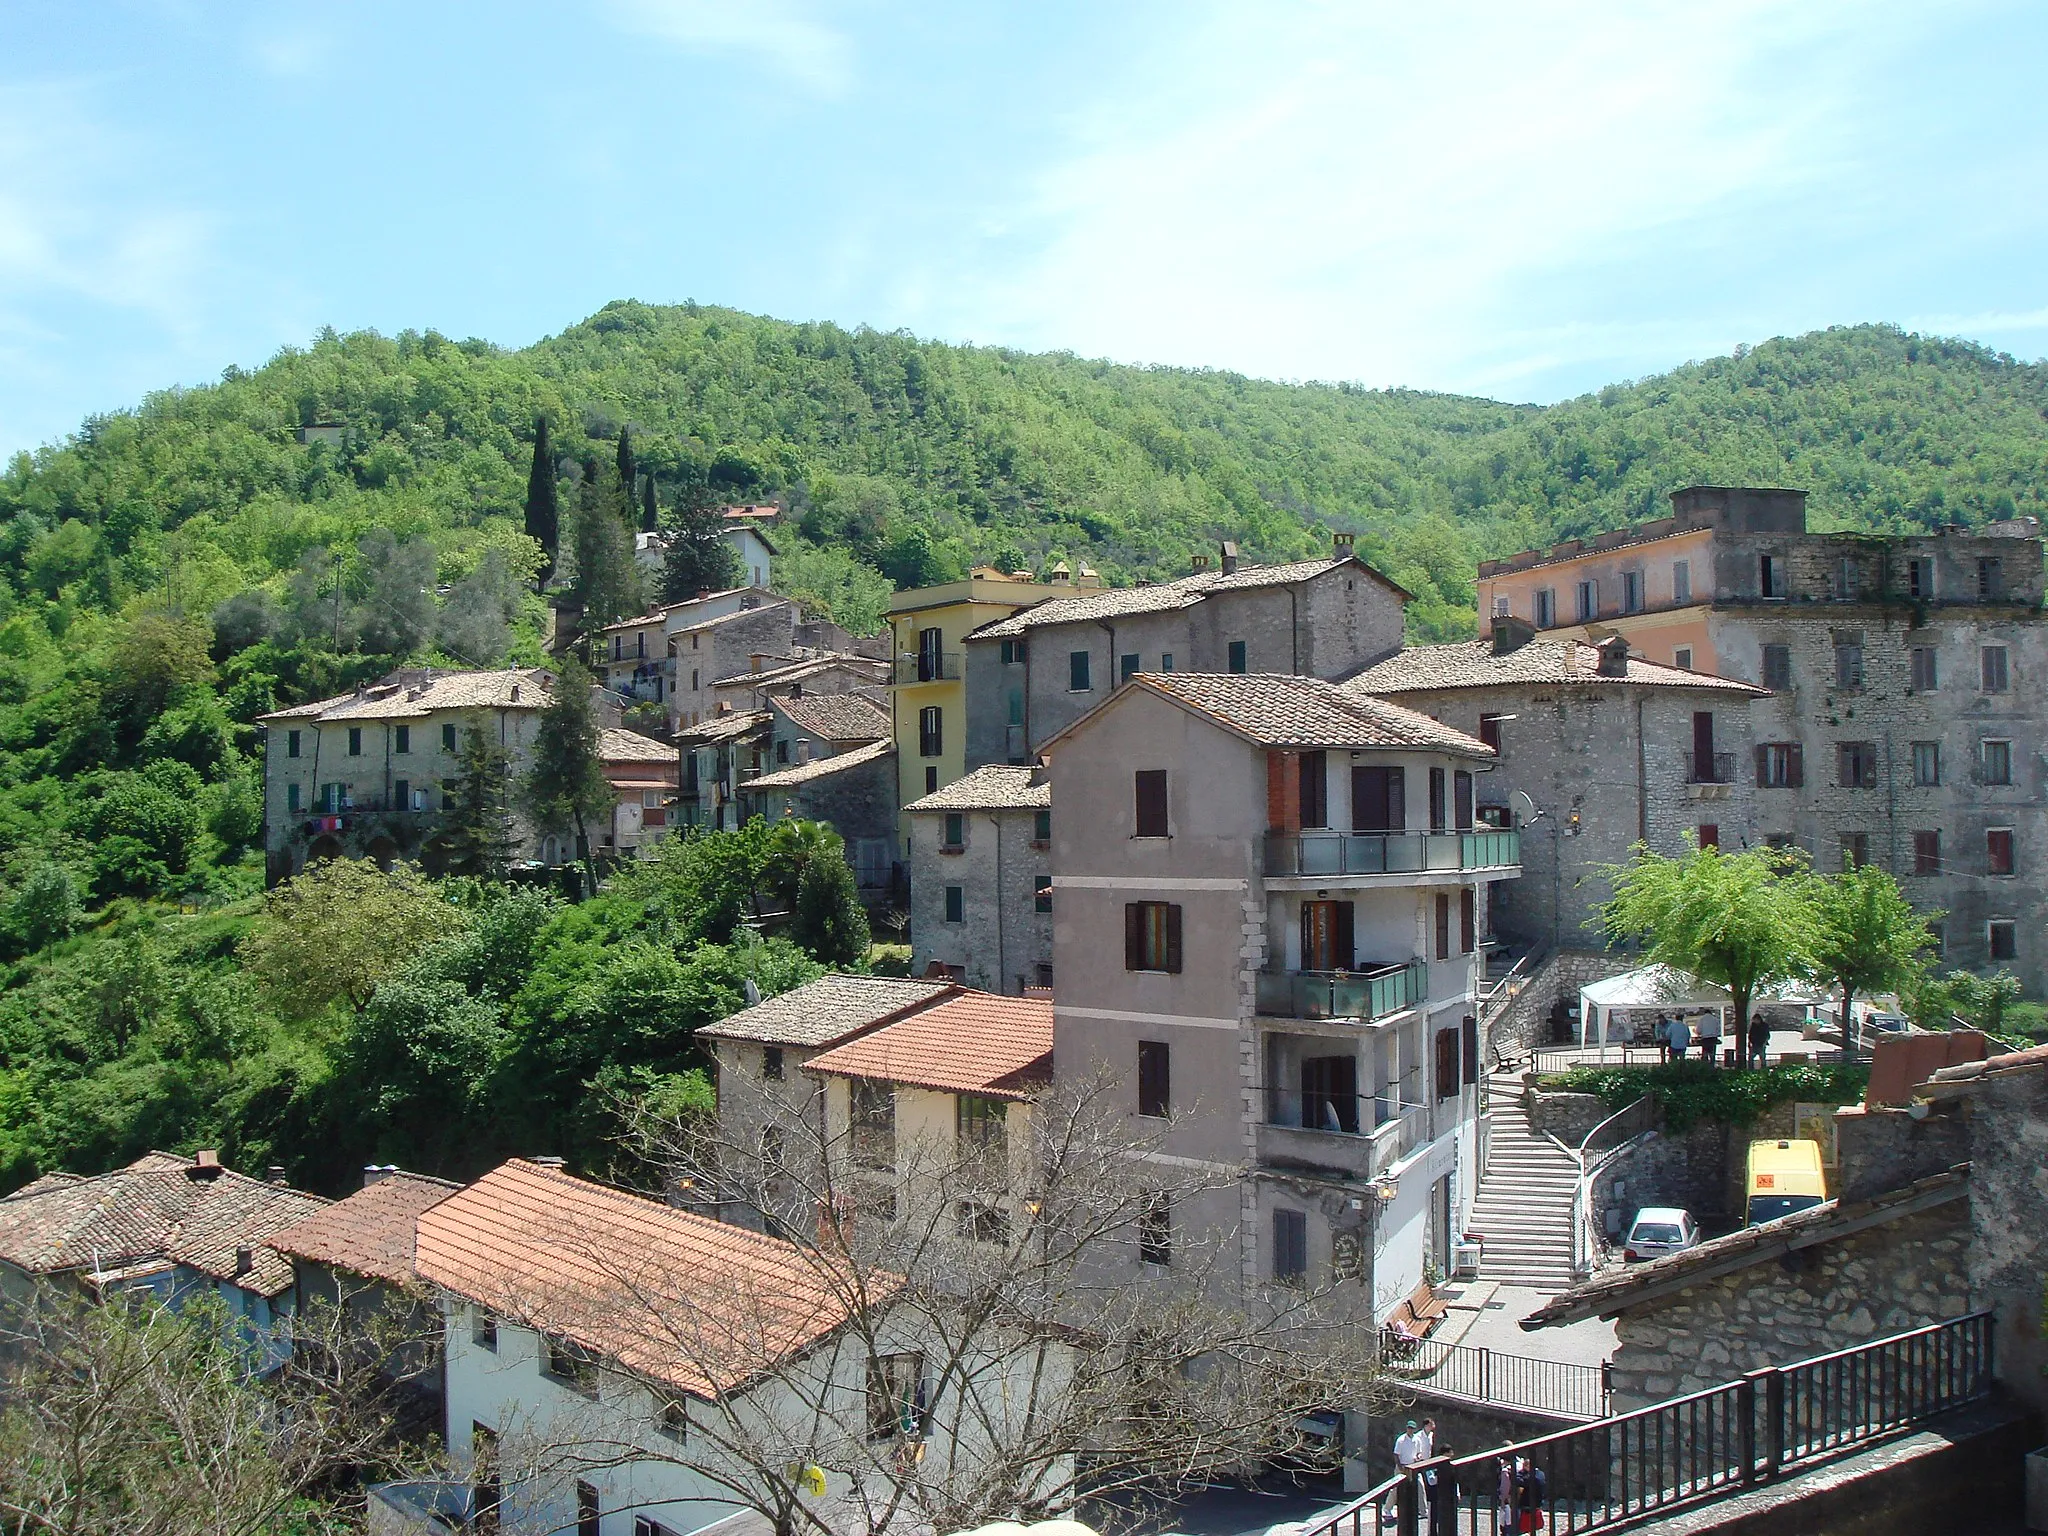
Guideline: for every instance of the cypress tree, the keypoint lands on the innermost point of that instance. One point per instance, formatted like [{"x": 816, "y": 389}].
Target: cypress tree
[
  {"x": 649, "y": 515},
  {"x": 543, "y": 511},
  {"x": 476, "y": 828},
  {"x": 628, "y": 475},
  {"x": 566, "y": 786},
  {"x": 607, "y": 580}
]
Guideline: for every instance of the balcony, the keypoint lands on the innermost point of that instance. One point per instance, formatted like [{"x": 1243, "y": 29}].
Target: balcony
[
  {"x": 928, "y": 667},
  {"x": 1350, "y": 996},
  {"x": 1710, "y": 768},
  {"x": 1390, "y": 853},
  {"x": 1355, "y": 1136}
]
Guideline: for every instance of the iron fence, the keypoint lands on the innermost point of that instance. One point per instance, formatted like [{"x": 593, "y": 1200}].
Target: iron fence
[
  {"x": 1508, "y": 1381},
  {"x": 1692, "y": 1449}
]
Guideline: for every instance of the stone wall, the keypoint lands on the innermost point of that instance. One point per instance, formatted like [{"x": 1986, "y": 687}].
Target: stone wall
[
  {"x": 1901, "y": 1275},
  {"x": 1526, "y": 1023}
]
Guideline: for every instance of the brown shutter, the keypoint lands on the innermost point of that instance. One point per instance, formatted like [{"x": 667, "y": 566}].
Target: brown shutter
[
  {"x": 1446, "y": 1063},
  {"x": 1173, "y": 938},
  {"x": 1343, "y": 944},
  {"x": 1762, "y": 767},
  {"x": 1796, "y": 777},
  {"x": 1149, "y": 786},
  {"x": 1134, "y": 936},
  {"x": 1443, "y": 927},
  {"x": 1397, "y": 799},
  {"x": 1468, "y": 936},
  {"x": 1470, "y": 1032}
]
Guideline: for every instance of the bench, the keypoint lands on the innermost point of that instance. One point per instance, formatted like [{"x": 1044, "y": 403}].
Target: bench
[{"x": 1413, "y": 1320}]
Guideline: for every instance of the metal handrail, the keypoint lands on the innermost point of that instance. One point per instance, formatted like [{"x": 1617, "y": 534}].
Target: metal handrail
[
  {"x": 1371, "y": 993},
  {"x": 1601, "y": 1143},
  {"x": 1390, "y": 853},
  {"x": 1559, "y": 1387}
]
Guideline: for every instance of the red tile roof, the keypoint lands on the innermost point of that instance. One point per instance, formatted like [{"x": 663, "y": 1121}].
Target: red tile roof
[
  {"x": 974, "y": 1043},
  {"x": 372, "y": 1231},
  {"x": 698, "y": 1304}
]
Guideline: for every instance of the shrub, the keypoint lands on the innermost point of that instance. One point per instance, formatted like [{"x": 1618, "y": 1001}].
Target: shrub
[{"x": 1689, "y": 1092}]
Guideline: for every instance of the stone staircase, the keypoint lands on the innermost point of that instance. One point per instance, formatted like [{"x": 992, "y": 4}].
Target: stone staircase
[{"x": 1524, "y": 1205}]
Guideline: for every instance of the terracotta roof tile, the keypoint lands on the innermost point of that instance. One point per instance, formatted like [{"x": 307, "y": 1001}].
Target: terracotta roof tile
[
  {"x": 976, "y": 1042},
  {"x": 1472, "y": 664},
  {"x": 837, "y": 717},
  {"x": 699, "y": 1304},
  {"x": 372, "y": 1231},
  {"x": 1277, "y": 710},
  {"x": 415, "y": 692},
  {"x": 996, "y": 787},
  {"x": 800, "y": 774},
  {"x": 826, "y": 1011}
]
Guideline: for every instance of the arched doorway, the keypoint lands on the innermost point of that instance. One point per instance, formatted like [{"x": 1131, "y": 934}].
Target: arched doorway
[
  {"x": 324, "y": 847},
  {"x": 385, "y": 851}
]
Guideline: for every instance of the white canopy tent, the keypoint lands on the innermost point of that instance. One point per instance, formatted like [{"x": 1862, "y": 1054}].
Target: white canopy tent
[{"x": 1669, "y": 990}]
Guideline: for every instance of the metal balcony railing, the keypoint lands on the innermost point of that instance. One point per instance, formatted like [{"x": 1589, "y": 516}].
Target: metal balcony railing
[
  {"x": 1710, "y": 768},
  {"x": 1390, "y": 853},
  {"x": 1364, "y": 995},
  {"x": 928, "y": 667}
]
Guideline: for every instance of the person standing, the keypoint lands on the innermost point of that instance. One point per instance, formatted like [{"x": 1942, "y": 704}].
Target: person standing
[
  {"x": 1710, "y": 1037},
  {"x": 1681, "y": 1037},
  {"x": 1442, "y": 1483},
  {"x": 1759, "y": 1040},
  {"x": 1532, "y": 1492},
  {"x": 1662, "y": 1035},
  {"x": 1411, "y": 1447}
]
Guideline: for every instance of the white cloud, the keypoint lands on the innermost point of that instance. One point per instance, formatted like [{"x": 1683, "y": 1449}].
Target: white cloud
[
  {"x": 1378, "y": 193},
  {"x": 782, "y": 31}
]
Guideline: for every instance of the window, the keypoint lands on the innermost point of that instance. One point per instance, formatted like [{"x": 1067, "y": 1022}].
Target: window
[
  {"x": 1290, "y": 1247},
  {"x": 1991, "y": 659},
  {"x": 291, "y": 744},
  {"x": 1926, "y": 763},
  {"x": 1998, "y": 855},
  {"x": 402, "y": 739},
  {"x": 1013, "y": 653},
  {"x": 1379, "y": 799},
  {"x": 1489, "y": 731},
  {"x": 931, "y": 731},
  {"x": 955, "y": 835},
  {"x": 485, "y": 1490},
  {"x": 1707, "y": 835},
  {"x": 571, "y": 1364},
  {"x": 1328, "y": 935},
  {"x": 1631, "y": 591},
  {"x": 1315, "y": 789},
  {"x": 980, "y": 1125},
  {"x": 895, "y": 1396},
  {"x": 1443, "y": 926},
  {"x": 1681, "y": 658},
  {"x": 448, "y": 737},
  {"x": 1779, "y": 765},
  {"x": 1589, "y": 601},
  {"x": 1152, "y": 936},
  {"x": 981, "y": 1221},
  {"x": 1990, "y": 580},
  {"x": 1920, "y": 577},
  {"x": 291, "y": 799},
  {"x": 1127, "y": 666},
  {"x": 1681, "y": 581},
  {"x": 483, "y": 1328},
  {"x": 1778, "y": 667},
  {"x": 1926, "y": 672},
  {"x": 1155, "y": 1079},
  {"x": 1149, "y": 785},
  {"x": 1041, "y": 893},
  {"x": 589, "y": 1512},
  {"x": 1848, "y": 580},
  {"x": 1166, "y": 661},
  {"x": 1439, "y": 800},
  {"x": 401, "y": 795},
  {"x": 2001, "y": 937},
  {"x": 956, "y": 904},
  {"x": 1461, "y": 799},
  {"x": 872, "y": 1109},
  {"x": 1041, "y": 826},
  {"x": 1849, "y": 659},
  {"x": 782, "y": 752},
  {"x": 931, "y": 781},
  {"x": 1016, "y": 706},
  {"x": 771, "y": 1063},
  {"x": 1077, "y": 672},
  {"x": 1927, "y": 853},
  {"x": 1855, "y": 850},
  {"x": 1468, "y": 930},
  {"x": 694, "y": 673},
  {"x": 1770, "y": 576},
  {"x": 1546, "y": 608},
  {"x": 1502, "y": 608},
  {"x": 1856, "y": 764},
  {"x": 1155, "y": 1232},
  {"x": 1448, "y": 1063},
  {"x": 355, "y": 741},
  {"x": 1238, "y": 661},
  {"x": 1994, "y": 762},
  {"x": 672, "y": 1418},
  {"x": 931, "y": 655}
]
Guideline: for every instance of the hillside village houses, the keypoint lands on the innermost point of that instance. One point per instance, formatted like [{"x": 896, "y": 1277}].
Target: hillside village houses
[{"x": 982, "y": 913}]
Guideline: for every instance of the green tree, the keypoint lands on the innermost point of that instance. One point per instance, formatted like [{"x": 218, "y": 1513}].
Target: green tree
[
  {"x": 154, "y": 655},
  {"x": 829, "y": 920},
  {"x": 335, "y": 932},
  {"x": 543, "y": 508},
  {"x": 1743, "y": 921},
  {"x": 45, "y": 909},
  {"x": 650, "y": 513},
  {"x": 566, "y": 786},
  {"x": 476, "y": 834},
  {"x": 607, "y": 580},
  {"x": 699, "y": 557},
  {"x": 628, "y": 477},
  {"x": 1868, "y": 937}
]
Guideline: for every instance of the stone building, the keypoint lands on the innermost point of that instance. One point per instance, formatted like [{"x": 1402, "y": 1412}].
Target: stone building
[
  {"x": 1272, "y": 943},
  {"x": 821, "y": 672},
  {"x": 1905, "y": 674},
  {"x": 829, "y": 758},
  {"x": 1610, "y": 749},
  {"x": 643, "y": 774},
  {"x": 1034, "y": 673},
  {"x": 365, "y": 774},
  {"x": 981, "y": 905}
]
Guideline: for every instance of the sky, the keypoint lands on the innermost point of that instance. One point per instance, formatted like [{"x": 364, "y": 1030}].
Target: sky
[{"x": 1524, "y": 200}]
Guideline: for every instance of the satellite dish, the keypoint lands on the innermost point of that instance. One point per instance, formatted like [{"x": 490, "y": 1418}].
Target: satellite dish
[{"x": 1523, "y": 808}]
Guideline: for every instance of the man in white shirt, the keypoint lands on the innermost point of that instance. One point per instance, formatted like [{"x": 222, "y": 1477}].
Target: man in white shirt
[
  {"x": 1709, "y": 1034},
  {"x": 1411, "y": 1446}
]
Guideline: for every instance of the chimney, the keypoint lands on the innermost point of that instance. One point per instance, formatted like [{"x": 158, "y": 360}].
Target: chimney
[
  {"x": 541, "y": 1161},
  {"x": 245, "y": 1260},
  {"x": 1198, "y": 564},
  {"x": 1229, "y": 560},
  {"x": 1613, "y": 656},
  {"x": 274, "y": 1174},
  {"x": 205, "y": 1167},
  {"x": 702, "y": 593},
  {"x": 1511, "y": 634},
  {"x": 1341, "y": 545},
  {"x": 377, "y": 1173}
]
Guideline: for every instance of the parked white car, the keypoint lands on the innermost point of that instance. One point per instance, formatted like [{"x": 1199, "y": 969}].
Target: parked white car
[{"x": 1658, "y": 1230}]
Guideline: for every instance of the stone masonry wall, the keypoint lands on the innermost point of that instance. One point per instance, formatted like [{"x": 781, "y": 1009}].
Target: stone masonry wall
[
  {"x": 1902, "y": 1275},
  {"x": 1526, "y": 1023}
]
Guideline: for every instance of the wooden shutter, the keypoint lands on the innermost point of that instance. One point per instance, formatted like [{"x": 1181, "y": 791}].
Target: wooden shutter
[
  {"x": 1795, "y": 775},
  {"x": 1470, "y": 1032},
  {"x": 1763, "y": 771},
  {"x": 1343, "y": 945},
  {"x": 1150, "y": 791},
  {"x": 1462, "y": 785},
  {"x": 1134, "y": 936},
  {"x": 1447, "y": 1063},
  {"x": 1468, "y": 936},
  {"x": 1315, "y": 790},
  {"x": 1443, "y": 927},
  {"x": 1397, "y": 799},
  {"x": 1173, "y": 938}
]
